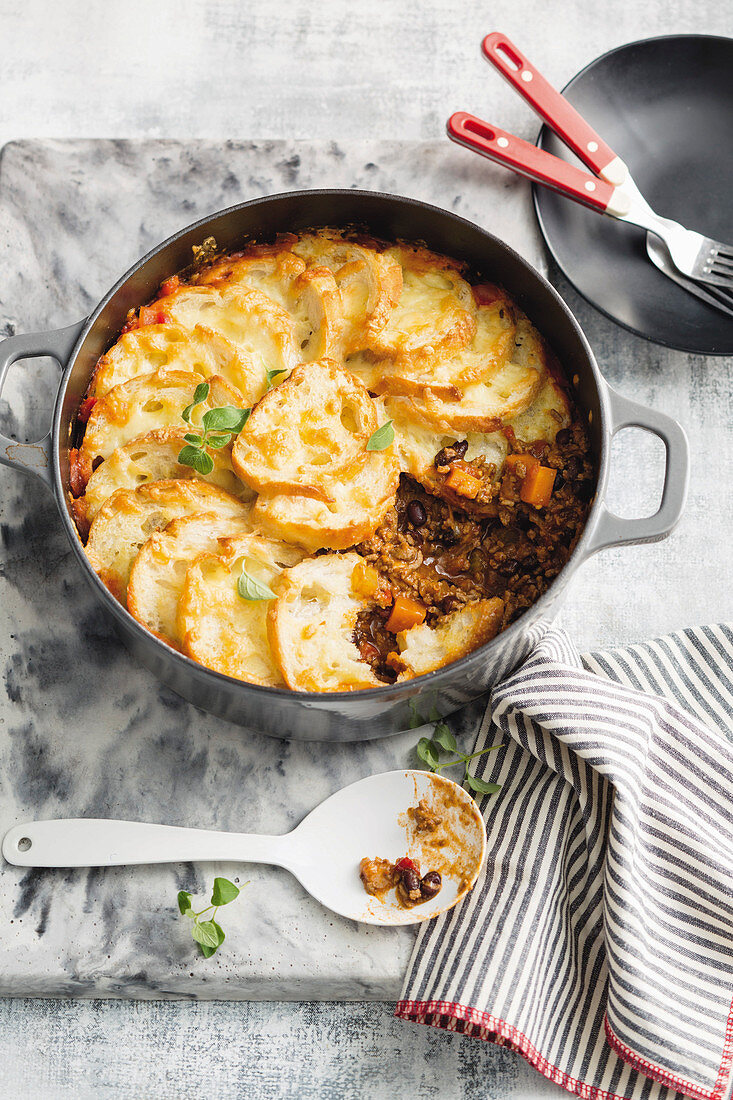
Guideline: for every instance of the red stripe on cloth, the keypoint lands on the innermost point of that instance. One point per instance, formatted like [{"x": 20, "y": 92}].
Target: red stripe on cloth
[{"x": 446, "y": 1014}]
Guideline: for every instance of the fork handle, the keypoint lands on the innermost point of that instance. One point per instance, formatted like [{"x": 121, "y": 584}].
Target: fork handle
[
  {"x": 554, "y": 108},
  {"x": 537, "y": 164}
]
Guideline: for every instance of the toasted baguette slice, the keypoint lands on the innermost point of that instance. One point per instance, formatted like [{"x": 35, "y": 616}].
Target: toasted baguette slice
[
  {"x": 159, "y": 570},
  {"x": 423, "y": 649},
  {"x": 300, "y": 434},
  {"x": 311, "y": 624},
  {"x": 146, "y": 403},
  {"x": 360, "y": 500},
  {"x": 220, "y": 629},
  {"x": 172, "y": 347},
  {"x": 130, "y": 516},
  {"x": 370, "y": 283},
  {"x": 435, "y": 310},
  {"x": 261, "y": 329},
  {"x": 154, "y": 457},
  {"x": 310, "y": 297},
  {"x": 501, "y": 395},
  {"x": 446, "y": 374},
  {"x": 417, "y": 443}
]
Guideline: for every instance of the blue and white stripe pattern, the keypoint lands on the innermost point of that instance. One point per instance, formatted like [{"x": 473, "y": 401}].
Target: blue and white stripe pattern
[{"x": 599, "y": 942}]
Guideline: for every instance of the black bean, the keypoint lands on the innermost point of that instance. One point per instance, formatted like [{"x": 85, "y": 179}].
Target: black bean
[
  {"x": 559, "y": 481},
  {"x": 444, "y": 456},
  {"x": 563, "y": 437},
  {"x": 521, "y": 519},
  {"x": 410, "y": 881},
  {"x": 416, "y": 513},
  {"x": 459, "y": 449},
  {"x": 431, "y": 884}
]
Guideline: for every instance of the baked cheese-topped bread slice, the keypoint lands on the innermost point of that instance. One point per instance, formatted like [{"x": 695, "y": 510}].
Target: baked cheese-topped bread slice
[
  {"x": 308, "y": 429},
  {"x": 426, "y": 648},
  {"x": 357, "y": 506},
  {"x": 126, "y": 521},
  {"x": 311, "y": 626},
  {"x": 262, "y": 330},
  {"x": 173, "y": 347},
  {"x": 502, "y": 394},
  {"x": 153, "y": 457},
  {"x": 445, "y": 373},
  {"x": 435, "y": 309},
  {"x": 310, "y": 297},
  {"x": 222, "y": 610},
  {"x": 146, "y": 403},
  {"x": 159, "y": 570},
  {"x": 369, "y": 282}
]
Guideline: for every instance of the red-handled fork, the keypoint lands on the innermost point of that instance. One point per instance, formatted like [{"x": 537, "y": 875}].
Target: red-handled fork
[{"x": 610, "y": 190}]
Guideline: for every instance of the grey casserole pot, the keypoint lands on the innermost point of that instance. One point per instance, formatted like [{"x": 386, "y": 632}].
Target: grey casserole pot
[{"x": 349, "y": 716}]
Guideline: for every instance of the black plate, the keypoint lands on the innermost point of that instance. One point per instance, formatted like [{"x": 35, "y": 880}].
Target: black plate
[{"x": 665, "y": 106}]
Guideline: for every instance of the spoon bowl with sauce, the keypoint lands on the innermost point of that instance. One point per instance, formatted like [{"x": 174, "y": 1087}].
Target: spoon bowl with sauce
[{"x": 411, "y": 822}]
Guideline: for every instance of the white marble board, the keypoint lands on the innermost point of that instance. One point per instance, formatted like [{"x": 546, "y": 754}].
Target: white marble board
[{"x": 84, "y": 731}]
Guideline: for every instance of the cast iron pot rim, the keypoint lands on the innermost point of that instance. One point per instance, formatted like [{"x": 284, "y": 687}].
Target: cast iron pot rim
[{"x": 313, "y": 698}]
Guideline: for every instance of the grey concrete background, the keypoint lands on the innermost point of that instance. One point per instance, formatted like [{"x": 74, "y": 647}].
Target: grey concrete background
[{"x": 226, "y": 68}]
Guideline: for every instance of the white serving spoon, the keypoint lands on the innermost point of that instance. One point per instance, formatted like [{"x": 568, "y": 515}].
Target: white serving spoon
[{"x": 367, "y": 818}]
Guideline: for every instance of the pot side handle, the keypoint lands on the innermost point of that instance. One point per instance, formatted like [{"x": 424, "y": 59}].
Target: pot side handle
[
  {"x": 613, "y": 530},
  {"x": 34, "y": 458}
]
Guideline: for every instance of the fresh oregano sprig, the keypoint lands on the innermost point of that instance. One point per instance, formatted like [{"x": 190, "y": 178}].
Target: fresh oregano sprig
[
  {"x": 218, "y": 426},
  {"x": 431, "y": 749},
  {"x": 208, "y": 934}
]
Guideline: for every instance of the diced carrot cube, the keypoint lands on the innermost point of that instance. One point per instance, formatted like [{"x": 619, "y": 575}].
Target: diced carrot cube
[
  {"x": 405, "y": 613},
  {"x": 521, "y": 464},
  {"x": 463, "y": 483},
  {"x": 537, "y": 486},
  {"x": 365, "y": 579}
]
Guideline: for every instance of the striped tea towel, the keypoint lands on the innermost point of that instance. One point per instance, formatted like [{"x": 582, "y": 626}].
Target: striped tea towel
[{"x": 599, "y": 942}]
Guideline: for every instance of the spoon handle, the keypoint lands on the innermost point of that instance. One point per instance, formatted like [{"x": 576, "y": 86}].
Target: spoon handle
[{"x": 96, "y": 842}]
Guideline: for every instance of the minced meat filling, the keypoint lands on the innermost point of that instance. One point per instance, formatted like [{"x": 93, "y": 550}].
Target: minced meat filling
[{"x": 445, "y": 555}]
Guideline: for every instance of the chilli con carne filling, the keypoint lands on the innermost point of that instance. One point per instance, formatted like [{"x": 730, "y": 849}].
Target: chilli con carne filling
[{"x": 328, "y": 463}]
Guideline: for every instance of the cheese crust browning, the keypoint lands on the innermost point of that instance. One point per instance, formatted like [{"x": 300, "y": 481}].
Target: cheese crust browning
[{"x": 328, "y": 462}]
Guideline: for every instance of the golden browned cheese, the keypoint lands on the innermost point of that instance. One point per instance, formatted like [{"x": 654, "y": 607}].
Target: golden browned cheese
[{"x": 350, "y": 407}]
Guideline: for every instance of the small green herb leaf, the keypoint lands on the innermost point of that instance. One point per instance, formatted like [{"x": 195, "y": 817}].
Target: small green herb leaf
[
  {"x": 433, "y": 716},
  {"x": 251, "y": 589},
  {"x": 444, "y": 737},
  {"x": 428, "y": 752},
  {"x": 197, "y": 459},
  {"x": 184, "y": 902},
  {"x": 199, "y": 395},
  {"x": 271, "y": 375},
  {"x": 218, "y": 441},
  {"x": 197, "y": 440},
  {"x": 207, "y": 951},
  {"x": 207, "y": 932},
  {"x": 227, "y": 418},
  {"x": 382, "y": 438},
  {"x": 481, "y": 785},
  {"x": 224, "y": 891}
]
